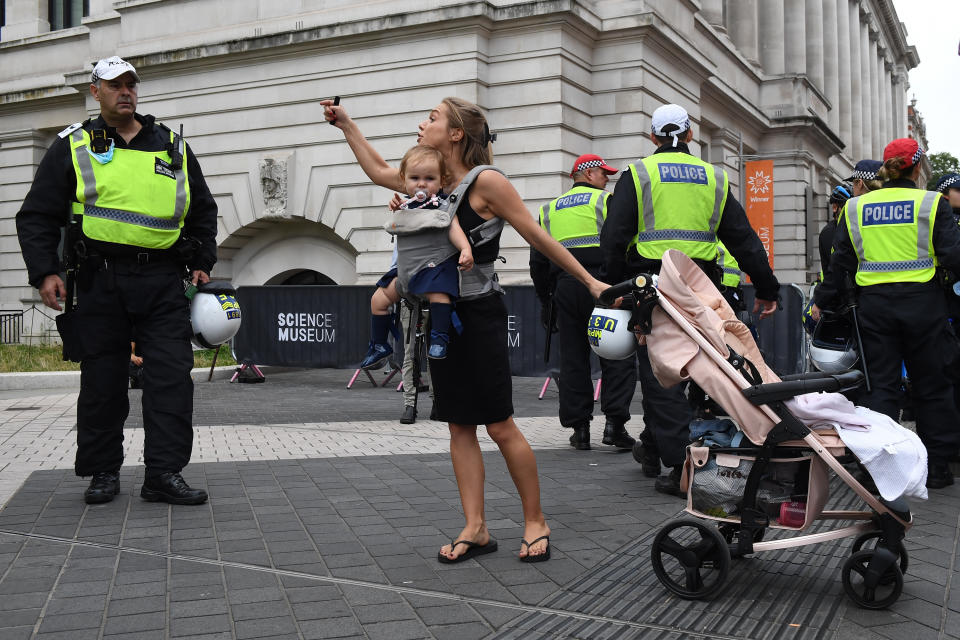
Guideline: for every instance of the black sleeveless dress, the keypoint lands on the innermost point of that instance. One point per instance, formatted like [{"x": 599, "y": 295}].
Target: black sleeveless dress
[{"x": 472, "y": 385}]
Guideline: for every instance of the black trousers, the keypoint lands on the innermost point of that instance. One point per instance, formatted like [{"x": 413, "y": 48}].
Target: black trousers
[
  {"x": 118, "y": 303},
  {"x": 907, "y": 322},
  {"x": 666, "y": 415},
  {"x": 574, "y": 306}
]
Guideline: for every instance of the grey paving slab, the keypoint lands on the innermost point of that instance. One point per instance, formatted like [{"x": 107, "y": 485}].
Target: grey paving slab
[{"x": 316, "y": 547}]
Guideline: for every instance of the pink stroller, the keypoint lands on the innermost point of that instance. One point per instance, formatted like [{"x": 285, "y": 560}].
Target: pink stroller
[{"x": 772, "y": 474}]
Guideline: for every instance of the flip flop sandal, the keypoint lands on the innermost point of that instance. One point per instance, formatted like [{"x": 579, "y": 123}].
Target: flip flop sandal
[
  {"x": 473, "y": 550},
  {"x": 542, "y": 557}
]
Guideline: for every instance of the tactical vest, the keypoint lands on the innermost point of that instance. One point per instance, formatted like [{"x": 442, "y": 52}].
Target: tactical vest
[
  {"x": 137, "y": 198},
  {"x": 731, "y": 269},
  {"x": 680, "y": 199},
  {"x": 892, "y": 233},
  {"x": 575, "y": 218}
]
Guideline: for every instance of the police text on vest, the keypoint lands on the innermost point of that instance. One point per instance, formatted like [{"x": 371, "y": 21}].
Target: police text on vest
[
  {"x": 678, "y": 172},
  {"x": 888, "y": 213},
  {"x": 573, "y": 200}
]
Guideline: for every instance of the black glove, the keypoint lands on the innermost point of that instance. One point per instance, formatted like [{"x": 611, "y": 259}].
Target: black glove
[{"x": 548, "y": 319}]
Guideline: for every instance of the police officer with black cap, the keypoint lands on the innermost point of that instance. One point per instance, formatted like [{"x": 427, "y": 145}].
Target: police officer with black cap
[
  {"x": 674, "y": 200},
  {"x": 575, "y": 220},
  {"x": 139, "y": 217},
  {"x": 891, "y": 241}
]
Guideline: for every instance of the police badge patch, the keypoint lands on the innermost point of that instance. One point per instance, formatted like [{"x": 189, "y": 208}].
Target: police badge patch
[{"x": 163, "y": 168}]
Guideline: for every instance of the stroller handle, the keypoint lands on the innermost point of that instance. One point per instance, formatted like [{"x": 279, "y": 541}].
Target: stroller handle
[{"x": 636, "y": 284}]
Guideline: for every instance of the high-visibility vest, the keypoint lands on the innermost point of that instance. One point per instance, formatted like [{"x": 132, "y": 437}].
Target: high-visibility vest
[
  {"x": 136, "y": 198},
  {"x": 575, "y": 218},
  {"x": 892, "y": 234},
  {"x": 679, "y": 199},
  {"x": 731, "y": 269}
]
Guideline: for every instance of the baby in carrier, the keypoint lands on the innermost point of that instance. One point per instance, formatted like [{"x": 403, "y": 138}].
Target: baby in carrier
[{"x": 422, "y": 172}]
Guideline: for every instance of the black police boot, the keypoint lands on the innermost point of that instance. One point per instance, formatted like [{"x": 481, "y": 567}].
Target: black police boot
[
  {"x": 616, "y": 435},
  {"x": 648, "y": 458},
  {"x": 103, "y": 486},
  {"x": 581, "y": 438},
  {"x": 409, "y": 414},
  {"x": 670, "y": 483},
  {"x": 939, "y": 475},
  {"x": 172, "y": 488}
]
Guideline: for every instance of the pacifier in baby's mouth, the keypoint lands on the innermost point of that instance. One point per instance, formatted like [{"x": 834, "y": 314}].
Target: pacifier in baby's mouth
[{"x": 420, "y": 196}]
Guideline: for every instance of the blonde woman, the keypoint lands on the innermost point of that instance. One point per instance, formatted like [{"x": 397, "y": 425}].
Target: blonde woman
[{"x": 472, "y": 385}]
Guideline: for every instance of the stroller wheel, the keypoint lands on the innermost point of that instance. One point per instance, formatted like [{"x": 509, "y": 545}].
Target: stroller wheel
[
  {"x": 690, "y": 559},
  {"x": 870, "y": 540},
  {"x": 867, "y": 589}
]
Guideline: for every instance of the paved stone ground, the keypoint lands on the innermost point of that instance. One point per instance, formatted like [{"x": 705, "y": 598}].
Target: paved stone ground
[{"x": 326, "y": 515}]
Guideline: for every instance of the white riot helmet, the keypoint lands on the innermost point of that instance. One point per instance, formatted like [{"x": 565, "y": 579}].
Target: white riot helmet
[
  {"x": 609, "y": 333},
  {"x": 214, "y": 314},
  {"x": 832, "y": 349}
]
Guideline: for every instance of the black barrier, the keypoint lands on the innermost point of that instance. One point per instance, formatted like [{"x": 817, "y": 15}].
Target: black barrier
[
  {"x": 329, "y": 327},
  {"x": 326, "y": 326}
]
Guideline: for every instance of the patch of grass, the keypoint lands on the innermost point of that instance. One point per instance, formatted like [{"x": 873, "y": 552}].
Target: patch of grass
[{"x": 18, "y": 358}]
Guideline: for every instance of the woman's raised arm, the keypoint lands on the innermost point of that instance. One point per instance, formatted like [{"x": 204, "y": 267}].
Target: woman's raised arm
[
  {"x": 498, "y": 197},
  {"x": 371, "y": 162}
]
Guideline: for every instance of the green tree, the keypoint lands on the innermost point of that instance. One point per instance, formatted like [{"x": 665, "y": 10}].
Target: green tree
[{"x": 941, "y": 163}]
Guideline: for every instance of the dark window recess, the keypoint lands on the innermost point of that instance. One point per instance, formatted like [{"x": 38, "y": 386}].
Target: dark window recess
[{"x": 64, "y": 14}]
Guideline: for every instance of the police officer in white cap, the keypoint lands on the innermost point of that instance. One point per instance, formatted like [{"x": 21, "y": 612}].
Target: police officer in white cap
[
  {"x": 575, "y": 220},
  {"x": 140, "y": 217},
  {"x": 674, "y": 200}
]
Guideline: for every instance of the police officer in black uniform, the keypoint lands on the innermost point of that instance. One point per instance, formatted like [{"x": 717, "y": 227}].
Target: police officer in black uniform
[
  {"x": 575, "y": 219},
  {"x": 142, "y": 217},
  {"x": 682, "y": 203},
  {"x": 949, "y": 186},
  {"x": 892, "y": 241}
]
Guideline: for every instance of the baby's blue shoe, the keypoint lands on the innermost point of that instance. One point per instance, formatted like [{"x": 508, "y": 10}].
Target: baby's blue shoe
[
  {"x": 438, "y": 345},
  {"x": 376, "y": 356}
]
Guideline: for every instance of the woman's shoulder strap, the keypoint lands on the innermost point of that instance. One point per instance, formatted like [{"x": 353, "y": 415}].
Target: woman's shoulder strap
[{"x": 458, "y": 192}]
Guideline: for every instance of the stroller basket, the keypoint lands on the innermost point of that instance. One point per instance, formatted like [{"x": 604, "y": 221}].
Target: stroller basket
[{"x": 793, "y": 487}]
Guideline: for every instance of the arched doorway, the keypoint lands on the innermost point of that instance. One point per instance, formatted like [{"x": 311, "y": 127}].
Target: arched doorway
[{"x": 301, "y": 277}]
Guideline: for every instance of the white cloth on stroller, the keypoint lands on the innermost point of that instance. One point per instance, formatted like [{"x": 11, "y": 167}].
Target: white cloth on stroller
[{"x": 894, "y": 456}]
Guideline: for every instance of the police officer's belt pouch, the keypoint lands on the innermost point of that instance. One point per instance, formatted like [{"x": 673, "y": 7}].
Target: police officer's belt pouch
[
  {"x": 68, "y": 326},
  {"x": 406, "y": 221}
]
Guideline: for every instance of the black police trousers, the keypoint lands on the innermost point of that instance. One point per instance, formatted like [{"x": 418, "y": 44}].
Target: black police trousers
[
  {"x": 574, "y": 306},
  {"x": 666, "y": 415},
  {"x": 119, "y": 302},
  {"x": 907, "y": 322}
]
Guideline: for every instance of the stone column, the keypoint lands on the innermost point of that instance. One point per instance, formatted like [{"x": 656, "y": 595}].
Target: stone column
[
  {"x": 887, "y": 104},
  {"x": 814, "y": 41},
  {"x": 771, "y": 38},
  {"x": 876, "y": 125},
  {"x": 856, "y": 85},
  {"x": 795, "y": 47},
  {"x": 831, "y": 69},
  {"x": 712, "y": 10},
  {"x": 866, "y": 130},
  {"x": 843, "y": 67},
  {"x": 742, "y": 27},
  {"x": 25, "y": 18},
  {"x": 900, "y": 87}
]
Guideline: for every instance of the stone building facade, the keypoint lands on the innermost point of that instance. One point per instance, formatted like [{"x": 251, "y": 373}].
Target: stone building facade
[{"x": 812, "y": 84}]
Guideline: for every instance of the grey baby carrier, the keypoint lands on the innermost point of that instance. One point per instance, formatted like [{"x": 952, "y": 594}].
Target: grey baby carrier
[{"x": 423, "y": 241}]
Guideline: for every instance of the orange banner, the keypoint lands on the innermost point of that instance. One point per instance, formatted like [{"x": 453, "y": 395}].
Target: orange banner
[{"x": 759, "y": 201}]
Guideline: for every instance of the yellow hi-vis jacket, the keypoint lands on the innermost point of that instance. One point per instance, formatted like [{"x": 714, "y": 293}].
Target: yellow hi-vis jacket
[
  {"x": 575, "y": 218},
  {"x": 891, "y": 231},
  {"x": 136, "y": 198},
  {"x": 731, "y": 269},
  {"x": 680, "y": 199}
]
